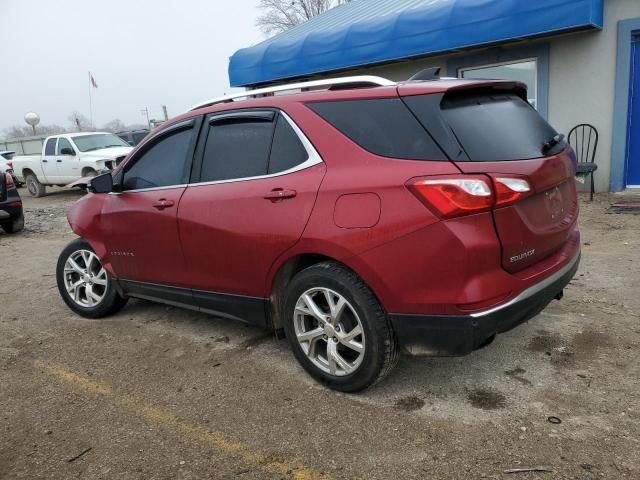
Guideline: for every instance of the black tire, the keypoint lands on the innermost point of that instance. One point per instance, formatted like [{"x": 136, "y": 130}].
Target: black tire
[
  {"x": 34, "y": 187},
  {"x": 381, "y": 350},
  {"x": 15, "y": 226},
  {"x": 111, "y": 301}
]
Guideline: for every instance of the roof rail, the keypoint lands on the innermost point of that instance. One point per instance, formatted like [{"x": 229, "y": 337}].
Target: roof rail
[{"x": 329, "y": 82}]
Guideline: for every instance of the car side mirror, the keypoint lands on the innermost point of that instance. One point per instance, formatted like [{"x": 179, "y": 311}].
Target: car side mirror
[
  {"x": 67, "y": 151},
  {"x": 101, "y": 184}
]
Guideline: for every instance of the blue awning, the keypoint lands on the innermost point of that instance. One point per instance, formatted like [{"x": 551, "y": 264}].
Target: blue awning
[{"x": 366, "y": 32}]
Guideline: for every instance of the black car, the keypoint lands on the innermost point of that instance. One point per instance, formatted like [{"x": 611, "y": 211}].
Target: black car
[
  {"x": 11, "y": 215},
  {"x": 133, "y": 137}
]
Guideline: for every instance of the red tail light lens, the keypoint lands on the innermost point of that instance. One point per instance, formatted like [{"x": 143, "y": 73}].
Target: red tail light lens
[
  {"x": 10, "y": 165},
  {"x": 454, "y": 196},
  {"x": 510, "y": 190},
  {"x": 9, "y": 180}
]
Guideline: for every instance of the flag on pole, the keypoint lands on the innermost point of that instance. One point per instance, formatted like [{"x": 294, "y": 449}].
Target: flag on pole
[{"x": 93, "y": 81}]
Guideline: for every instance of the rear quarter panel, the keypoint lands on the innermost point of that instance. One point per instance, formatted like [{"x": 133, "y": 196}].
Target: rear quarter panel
[
  {"x": 23, "y": 163},
  {"x": 353, "y": 170}
]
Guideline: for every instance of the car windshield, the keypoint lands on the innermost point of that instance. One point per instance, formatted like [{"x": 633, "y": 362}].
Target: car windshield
[{"x": 88, "y": 143}]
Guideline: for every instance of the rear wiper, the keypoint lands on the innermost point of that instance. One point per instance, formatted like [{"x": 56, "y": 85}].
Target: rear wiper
[{"x": 552, "y": 143}]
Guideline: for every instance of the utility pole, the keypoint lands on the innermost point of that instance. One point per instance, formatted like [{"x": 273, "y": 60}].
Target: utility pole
[
  {"x": 164, "y": 110},
  {"x": 145, "y": 111}
]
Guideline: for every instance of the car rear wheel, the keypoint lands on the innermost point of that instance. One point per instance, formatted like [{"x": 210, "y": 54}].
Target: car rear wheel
[
  {"x": 34, "y": 187},
  {"x": 15, "y": 226},
  {"x": 85, "y": 286},
  {"x": 337, "y": 328}
]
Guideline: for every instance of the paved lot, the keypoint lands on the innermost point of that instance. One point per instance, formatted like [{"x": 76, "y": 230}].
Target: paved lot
[{"x": 157, "y": 392}]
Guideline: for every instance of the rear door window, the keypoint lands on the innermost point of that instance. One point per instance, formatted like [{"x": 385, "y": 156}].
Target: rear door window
[
  {"x": 236, "y": 149},
  {"x": 50, "y": 147},
  {"x": 383, "y": 126},
  {"x": 490, "y": 126}
]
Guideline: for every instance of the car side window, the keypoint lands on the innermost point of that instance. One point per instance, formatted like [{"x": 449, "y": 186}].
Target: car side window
[
  {"x": 287, "y": 151},
  {"x": 63, "y": 143},
  {"x": 162, "y": 165},
  {"x": 236, "y": 149},
  {"x": 50, "y": 147}
]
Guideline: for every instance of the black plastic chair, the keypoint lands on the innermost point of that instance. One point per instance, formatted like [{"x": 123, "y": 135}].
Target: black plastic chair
[{"x": 584, "y": 140}]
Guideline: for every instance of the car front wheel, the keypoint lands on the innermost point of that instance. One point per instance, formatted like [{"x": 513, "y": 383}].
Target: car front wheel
[
  {"x": 337, "y": 328},
  {"x": 85, "y": 286}
]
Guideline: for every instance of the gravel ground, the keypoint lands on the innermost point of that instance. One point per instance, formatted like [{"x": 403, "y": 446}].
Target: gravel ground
[{"x": 156, "y": 392}]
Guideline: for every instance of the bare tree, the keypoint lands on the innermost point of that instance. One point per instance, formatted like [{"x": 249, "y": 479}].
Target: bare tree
[
  {"x": 114, "y": 126},
  {"x": 21, "y": 131},
  {"x": 280, "y": 15},
  {"x": 79, "y": 122}
]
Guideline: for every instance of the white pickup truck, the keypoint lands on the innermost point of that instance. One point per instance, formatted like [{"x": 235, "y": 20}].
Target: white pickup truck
[{"x": 69, "y": 157}]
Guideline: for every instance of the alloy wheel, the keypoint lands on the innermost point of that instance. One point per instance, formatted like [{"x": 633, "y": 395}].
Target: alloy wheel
[
  {"x": 329, "y": 331},
  {"x": 85, "y": 279}
]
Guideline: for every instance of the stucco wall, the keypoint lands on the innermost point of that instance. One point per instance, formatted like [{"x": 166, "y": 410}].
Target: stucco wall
[{"x": 581, "y": 90}]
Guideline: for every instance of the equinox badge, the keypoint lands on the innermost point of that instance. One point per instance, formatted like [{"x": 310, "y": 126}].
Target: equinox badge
[{"x": 522, "y": 256}]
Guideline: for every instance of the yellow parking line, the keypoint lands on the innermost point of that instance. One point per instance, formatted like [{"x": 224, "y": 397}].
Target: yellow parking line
[{"x": 195, "y": 433}]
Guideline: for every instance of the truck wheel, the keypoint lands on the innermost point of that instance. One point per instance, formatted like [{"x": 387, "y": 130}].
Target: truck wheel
[
  {"x": 89, "y": 172},
  {"x": 14, "y": 226},
  {"x": 337, "y": 328},
  {"x": 85, "y": 286},
  {"x": 34, "y": 187}
]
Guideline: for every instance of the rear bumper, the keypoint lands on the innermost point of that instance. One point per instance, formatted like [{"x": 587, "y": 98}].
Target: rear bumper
[
  {"x": 8, "y": 212},
  {"x": 454, "y": 335}
]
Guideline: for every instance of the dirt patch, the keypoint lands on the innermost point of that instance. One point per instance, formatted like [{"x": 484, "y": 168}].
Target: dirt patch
[
  {"x": 486, "y": 399},
  {"x": 516, "y": 374},
  {"x": 544, "y": 342},
  {"x": 566, "y": 353},
  {"x": 589, "y": 341},
  {"x": 409, "y": 404}
]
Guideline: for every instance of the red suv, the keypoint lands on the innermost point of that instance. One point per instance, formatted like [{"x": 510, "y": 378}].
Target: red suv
[{"x": 358, "y": 216}]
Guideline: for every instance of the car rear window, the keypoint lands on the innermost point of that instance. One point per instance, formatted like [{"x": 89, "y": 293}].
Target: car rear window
[
  {"x": 383, "y": 126},
  {"x": 490, "y": 126}
]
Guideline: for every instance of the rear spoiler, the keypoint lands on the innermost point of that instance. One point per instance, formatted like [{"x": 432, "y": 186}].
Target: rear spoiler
[
  {"x": 497, "y": 86},
  {"x": 445, "y": 86}
]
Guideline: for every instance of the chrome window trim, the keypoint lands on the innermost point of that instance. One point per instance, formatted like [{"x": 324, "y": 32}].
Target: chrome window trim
[{"x": 314, "y": 159}]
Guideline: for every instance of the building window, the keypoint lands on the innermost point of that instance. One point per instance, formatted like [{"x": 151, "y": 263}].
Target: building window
[
  {"x": 525, "y": 71},
  {"x": 526, "y": 63}
]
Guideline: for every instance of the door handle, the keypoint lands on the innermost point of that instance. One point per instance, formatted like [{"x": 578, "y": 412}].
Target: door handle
[
  {"x": 45, "y": 161},
  {"x": 163, "y": 203},
  {"x": 59, "y": 161},
  {"x": 280, "y": 194}
]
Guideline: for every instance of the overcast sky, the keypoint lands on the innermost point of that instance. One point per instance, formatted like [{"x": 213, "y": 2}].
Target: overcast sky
[{"x": 142, "y": 53}]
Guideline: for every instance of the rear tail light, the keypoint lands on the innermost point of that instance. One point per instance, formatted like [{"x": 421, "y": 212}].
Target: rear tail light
[
  {"x": 10, "y": 165},
  {"x": 9, "y": 181},
  {"x": 510, "y": 189},
  {"x": 454, "y": 196}
]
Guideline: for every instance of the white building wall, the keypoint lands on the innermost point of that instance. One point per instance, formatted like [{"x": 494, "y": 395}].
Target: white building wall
[{"x": 582, "y": 71}]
